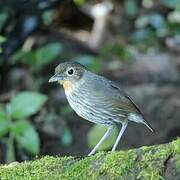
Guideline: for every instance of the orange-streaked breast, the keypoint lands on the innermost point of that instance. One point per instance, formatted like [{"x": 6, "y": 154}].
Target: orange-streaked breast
[{"x": 67, "y": 85}]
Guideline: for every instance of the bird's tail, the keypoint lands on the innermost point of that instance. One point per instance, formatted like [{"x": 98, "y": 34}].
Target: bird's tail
[
  {"x": 139, "y": 118},
  {"x": 149, "y": 126}
]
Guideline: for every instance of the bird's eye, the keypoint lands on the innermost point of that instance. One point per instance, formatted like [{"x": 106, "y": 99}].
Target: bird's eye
[{"x": 70, "y": 71}]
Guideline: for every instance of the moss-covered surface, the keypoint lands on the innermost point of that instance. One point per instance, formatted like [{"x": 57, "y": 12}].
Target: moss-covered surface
[{"x": 151, "y": 163}]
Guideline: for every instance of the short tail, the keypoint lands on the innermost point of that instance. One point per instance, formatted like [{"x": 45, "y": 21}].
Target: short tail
[
  {"x": 139, "y": 118},
  {"x": 133, "y": 117}
]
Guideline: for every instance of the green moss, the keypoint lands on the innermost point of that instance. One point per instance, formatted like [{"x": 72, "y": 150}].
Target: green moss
[
  {"x": 42, "y": 168},
  {"x": 177, "y": 163},
  {"x": 143, "y": 163},
  {"x": 152, "y": 162},
  {"x": 176, "y": 146}
]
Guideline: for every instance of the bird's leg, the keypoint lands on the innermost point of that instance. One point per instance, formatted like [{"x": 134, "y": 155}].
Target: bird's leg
[
  {"x": 105, "y": 136},
  {"x": 123, "y": 128}
]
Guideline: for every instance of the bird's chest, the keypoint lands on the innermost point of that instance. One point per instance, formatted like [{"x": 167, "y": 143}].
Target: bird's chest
[
  {"x": 88, "y": 106},
  {"x": 82, "y": 104},
  {"x": 77, "y": 101}
]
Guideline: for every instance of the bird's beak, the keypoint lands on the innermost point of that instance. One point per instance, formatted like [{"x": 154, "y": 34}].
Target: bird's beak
[{"x": 56, "y": 77}]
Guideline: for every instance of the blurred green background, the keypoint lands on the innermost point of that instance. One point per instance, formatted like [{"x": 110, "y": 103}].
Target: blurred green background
[{"x": 133, "y": 42}]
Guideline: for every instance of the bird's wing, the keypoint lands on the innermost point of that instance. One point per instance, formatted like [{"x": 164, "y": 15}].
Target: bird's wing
[
  {"x": 112, "y": 100},
  {"x": 117, "y": 98},
  {"x": 123, "y": 104}
]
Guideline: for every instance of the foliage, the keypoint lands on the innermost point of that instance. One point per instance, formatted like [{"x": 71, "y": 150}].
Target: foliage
[
  {"x": 117, "y": 50},
  {"x": 14, "y": 125},
  {"x": 79, "y": 2},
  {"x": 26, "y": 104},
  {"x": 92, "y": 62},
  {"x": 66, "y": 138},
  {"x": 3, "y": 17},
  {"x": 171, "y": 4},
  {"x": 131, "y": 7},
  {"x": 47, "y": 17},
  {"x": 2, "y": 39},
  {"x": 39, "y": 57},
  {"x": 150, "y": 28}
]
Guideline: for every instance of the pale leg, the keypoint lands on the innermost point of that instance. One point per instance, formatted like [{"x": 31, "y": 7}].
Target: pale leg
[
  {"x": 123, "y": 128},
  {"x": 105, "y": 136}
]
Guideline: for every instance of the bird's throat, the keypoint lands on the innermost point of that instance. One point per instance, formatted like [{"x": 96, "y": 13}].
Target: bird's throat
[{"x": 67, "y": 85}]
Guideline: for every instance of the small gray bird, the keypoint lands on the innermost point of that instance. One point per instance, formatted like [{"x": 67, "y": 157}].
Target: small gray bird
[{"x": 97, "y": 99}]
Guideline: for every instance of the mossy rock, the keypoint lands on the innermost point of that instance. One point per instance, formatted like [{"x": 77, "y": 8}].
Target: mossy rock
[{"x": 152, "y": 163}]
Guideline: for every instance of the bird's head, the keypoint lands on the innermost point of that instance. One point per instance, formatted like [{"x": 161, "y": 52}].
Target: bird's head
[{"x": 67, "y": 74}]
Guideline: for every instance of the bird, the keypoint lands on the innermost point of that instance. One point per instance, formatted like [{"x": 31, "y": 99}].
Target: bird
[{"x": 97, "y": 99}]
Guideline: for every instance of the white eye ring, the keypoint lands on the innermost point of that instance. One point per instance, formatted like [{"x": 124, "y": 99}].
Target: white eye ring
[{"x": 70, "y": 71}]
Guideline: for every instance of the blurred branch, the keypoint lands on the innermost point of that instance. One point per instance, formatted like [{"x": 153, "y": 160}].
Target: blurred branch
[{"x": 100, "y": 12}]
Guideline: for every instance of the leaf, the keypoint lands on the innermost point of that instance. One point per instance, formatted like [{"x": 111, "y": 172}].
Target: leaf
[
  {"x": 131, "y": 7},
  {"x": 173, "y": 17},
  {"x": 66, "y": 138},
  {"x": 4, "y": 123},
  {"x": 26, "y": 104},
  {"x": 79, "y": 2},
  {"x": 140, "y": 35},
  {"x": 3, "y": 17},
  {"x": 10, "y": 152},
  {"x": 142, "y": 21},
  {"x": 171, "y": 3},
  {"x": 46, "y": 54},
  {"x": 97, "y": 132},
  {"x": 39, "y": 57},
  {"x": 156, "y": 20},
  {"x": 26, "y": 136},
  {"x": 2, "y": 114},
  {"x": 47, "y": 16},
  {"x": 2, "y": 39},
  {"x": 25, "y": 57},
  {"x": 92, "y": 62}
]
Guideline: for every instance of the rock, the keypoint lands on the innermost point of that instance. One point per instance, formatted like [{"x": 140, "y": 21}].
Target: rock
[
  {"x": 150, "y": 69},
  {"x": 160, "y": 106}
]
